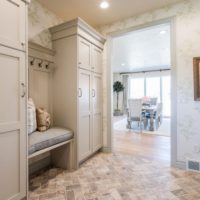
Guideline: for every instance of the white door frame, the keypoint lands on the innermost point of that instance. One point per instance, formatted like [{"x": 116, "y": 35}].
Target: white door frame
[{"x": 109, "y": 78}]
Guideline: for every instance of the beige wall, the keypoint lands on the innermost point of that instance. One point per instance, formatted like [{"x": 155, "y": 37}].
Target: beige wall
[
  {"x": 187, "y": 28},
  {"x": 39, "y": 20}
]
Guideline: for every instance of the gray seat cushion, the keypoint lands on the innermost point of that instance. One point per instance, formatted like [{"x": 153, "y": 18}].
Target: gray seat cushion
[{"x": 41, "y": 140}]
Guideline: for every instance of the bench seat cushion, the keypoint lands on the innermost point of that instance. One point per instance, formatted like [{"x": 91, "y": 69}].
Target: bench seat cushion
[{"x": 41, "y": 140}]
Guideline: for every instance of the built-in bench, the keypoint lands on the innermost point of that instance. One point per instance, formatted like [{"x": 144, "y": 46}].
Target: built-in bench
[{"x": 56, "y": 140}]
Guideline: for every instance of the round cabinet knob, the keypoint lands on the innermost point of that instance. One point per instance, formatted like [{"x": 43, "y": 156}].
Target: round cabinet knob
[{"x": 23, "y": 44}]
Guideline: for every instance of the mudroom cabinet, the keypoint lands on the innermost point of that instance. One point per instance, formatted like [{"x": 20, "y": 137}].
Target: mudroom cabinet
[
  {"x": 78, "y": 84},
  {"x": 13, "y": 137}
]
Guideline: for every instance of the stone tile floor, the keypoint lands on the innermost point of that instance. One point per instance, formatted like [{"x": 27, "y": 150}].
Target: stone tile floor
[{"x": 116, "y": 176}]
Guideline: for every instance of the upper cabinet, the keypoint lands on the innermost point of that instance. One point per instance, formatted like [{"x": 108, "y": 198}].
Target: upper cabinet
[
  {"x": 84, "y": 58},
  {"x": 89, "y": 56},
  {"x": 13, "y": 24},
  {"x": 97, "y": 60},
  {"x": 89, "y": 43}
]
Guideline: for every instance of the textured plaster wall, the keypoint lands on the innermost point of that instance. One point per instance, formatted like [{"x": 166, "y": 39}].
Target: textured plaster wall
[
  {"x": 187, "y": 28},
  {"x": 39, "y": 20}
]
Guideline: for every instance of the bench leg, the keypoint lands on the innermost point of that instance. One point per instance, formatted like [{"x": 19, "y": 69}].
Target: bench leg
[{"x": 62, "y": 157}]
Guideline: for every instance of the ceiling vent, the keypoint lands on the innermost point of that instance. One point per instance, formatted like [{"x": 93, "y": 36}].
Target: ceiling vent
[{"x": 193, "y": 165}]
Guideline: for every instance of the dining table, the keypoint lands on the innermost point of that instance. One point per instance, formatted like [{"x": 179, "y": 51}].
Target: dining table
[{"x": 151, "y": 109}]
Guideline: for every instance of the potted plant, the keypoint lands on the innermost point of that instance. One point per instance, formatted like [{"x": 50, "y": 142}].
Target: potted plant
[{"x": 118, "y": 87}]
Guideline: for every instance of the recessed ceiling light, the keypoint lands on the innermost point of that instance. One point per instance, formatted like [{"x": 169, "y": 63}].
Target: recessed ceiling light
[
  {"x": 104, "y": 4},
  {"x": 123, "y": 64},
  {"x": 162, "y": 32}
]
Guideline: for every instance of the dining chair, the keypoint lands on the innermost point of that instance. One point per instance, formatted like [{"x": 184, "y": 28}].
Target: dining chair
[
  {"x": 157, "y": 116},
  {"x": 153, "y": 101},
  {"x": 135, "y": 113}
]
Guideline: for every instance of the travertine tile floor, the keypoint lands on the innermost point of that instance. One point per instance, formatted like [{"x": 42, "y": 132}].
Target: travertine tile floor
[{"x": 127, "y": 174}]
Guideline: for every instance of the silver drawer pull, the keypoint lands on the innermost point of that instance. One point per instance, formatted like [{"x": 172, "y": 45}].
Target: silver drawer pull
[
  {"x": 80, "y": 92},
  {"x": 23, "y": 90},
  {"x": 93, "y": 93}
]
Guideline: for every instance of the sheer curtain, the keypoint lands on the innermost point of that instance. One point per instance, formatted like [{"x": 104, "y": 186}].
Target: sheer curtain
[{"x": 125, "y": 94}]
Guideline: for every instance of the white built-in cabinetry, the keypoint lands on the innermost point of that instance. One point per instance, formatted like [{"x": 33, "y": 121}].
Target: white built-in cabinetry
[
  {"x": 13, "y": 140},
  {"x": 77, "y": 84}
]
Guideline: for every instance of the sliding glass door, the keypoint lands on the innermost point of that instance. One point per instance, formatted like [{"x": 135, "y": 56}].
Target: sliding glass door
[
  {"x": 136, "y": 90},
  {"x": 153, "y": 85}
]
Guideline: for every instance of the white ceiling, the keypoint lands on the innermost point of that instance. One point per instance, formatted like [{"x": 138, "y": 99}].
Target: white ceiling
[
  {"x": 89, "y": 9},
  {"x": 141, "y": 50}
]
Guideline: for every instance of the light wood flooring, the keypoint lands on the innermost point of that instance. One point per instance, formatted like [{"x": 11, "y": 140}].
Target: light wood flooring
[
  {"x": 151, "y": 146},
  {"x": 138, "y": 169}
]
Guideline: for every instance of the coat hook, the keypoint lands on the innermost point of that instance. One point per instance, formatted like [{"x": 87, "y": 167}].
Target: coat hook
[
  {"x": 40, "y": 64},
  {"x": 32, "y": 62},
  {"x": 47, "y": 66}
]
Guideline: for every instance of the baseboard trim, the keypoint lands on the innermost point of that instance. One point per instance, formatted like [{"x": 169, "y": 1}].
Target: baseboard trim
[
  {"x": 106, "y": 150},
  {"x": 179, "y": 165}
]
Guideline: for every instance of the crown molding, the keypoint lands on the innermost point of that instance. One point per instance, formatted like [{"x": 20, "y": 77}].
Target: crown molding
[
  {"x": 81, "y": 24},
  {"x": 37, "y": 47}
]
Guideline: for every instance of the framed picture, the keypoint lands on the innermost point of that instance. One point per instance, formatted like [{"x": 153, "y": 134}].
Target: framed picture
[{"x": 196, "y": 72}]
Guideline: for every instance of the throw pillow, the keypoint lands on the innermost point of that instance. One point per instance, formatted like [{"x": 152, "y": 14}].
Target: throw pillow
[
  {"x": 31, "y": 117},
  {"x": 43, "y": 119}
]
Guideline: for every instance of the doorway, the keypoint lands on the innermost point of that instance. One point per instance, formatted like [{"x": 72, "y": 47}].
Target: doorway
[{"x": 156, "y": 81}]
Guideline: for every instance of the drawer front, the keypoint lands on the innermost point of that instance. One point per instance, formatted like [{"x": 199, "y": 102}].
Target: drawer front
[{"x": 13, "y": 23}]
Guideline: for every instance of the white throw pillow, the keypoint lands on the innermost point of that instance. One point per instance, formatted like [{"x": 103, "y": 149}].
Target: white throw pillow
[{"x": 31, "y": 123}]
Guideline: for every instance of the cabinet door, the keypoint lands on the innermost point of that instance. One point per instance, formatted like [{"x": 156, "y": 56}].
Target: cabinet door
[
  {"x": 84, "y": 49},
  {"x": 97, "y": 60},
  {"x": 12, "y": 21},
  {"x": 12, "y": 125},
  {"x": 85, "y": 107},
  {"x": 97, "y": 112}
]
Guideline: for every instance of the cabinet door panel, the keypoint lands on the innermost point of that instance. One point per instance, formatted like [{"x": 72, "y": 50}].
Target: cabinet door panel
[
  {"x": 85, "y": 107},
  {"x": 12, "y": 32},
  {"x": 84, "y": 54},
  {"x": 97, "y": 60},
  {"x": 97, "y": 112},
  {"x": 12, "y": 125}
]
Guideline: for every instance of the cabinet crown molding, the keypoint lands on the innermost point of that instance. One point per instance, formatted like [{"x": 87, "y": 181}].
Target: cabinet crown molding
[
  {"x": 37, "y": 47},
  {"x": 26, "y": 1},
  {"x": 78, "y": 23}
]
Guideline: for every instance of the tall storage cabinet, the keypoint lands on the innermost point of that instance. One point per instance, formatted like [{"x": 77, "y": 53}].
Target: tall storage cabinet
[
  {"x": 13, "y": 140},
  {"x": 78, "y": 84}
]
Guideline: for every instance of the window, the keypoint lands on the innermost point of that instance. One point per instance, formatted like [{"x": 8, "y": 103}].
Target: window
[
  {"x": 153, "y": 87},
  {"x": 136, "y": 88}
]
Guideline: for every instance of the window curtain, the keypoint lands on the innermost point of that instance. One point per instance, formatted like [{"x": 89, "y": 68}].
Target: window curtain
[{"x": 125, "y": 94}]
